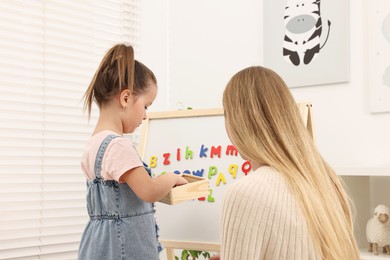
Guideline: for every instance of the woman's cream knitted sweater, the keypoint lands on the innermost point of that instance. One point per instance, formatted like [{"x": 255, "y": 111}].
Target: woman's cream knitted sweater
[{"x": 262, "y": 220}]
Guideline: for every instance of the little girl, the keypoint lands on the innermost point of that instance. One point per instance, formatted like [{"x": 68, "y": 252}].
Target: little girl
[{"x": 121, "y": 190}]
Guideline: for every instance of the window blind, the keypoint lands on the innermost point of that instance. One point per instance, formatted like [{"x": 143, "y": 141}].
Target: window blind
[{"x": 49, "y": 52}]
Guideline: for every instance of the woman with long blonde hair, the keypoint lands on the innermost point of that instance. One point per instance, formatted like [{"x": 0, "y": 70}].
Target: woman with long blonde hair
[{"x": 293, "y": 205}]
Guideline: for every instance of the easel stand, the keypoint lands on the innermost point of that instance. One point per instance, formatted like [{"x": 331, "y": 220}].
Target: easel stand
[{"x": 305, "y": 109}]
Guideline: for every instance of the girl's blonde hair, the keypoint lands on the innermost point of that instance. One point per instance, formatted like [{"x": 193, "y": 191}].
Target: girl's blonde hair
[
  {"x": 117, "y": 71},
  {"x": 264, "y": 123}
]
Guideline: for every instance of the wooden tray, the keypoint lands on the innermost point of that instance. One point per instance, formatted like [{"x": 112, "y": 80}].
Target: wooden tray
[{"x": 195, "y": 188}]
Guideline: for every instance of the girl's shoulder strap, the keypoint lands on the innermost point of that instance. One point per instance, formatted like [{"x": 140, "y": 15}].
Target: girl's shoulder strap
[{"x": 100, "y": 153}]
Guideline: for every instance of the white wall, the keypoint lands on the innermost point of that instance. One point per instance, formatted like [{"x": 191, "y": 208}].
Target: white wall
[{"x": 194, "y": 47}]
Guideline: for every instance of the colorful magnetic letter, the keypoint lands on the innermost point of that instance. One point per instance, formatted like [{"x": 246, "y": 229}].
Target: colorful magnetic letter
[
  {"x": 212, "y": 171},
  {"x": 215, "y": 151},
  {"x": 233, "y": 170},
  {"x": 220, "y": 178},
  {"x": 203, "y": 151},
  {"x": 210, "y": 198},
  {"x": 153, "y": 162},
  {"x": 166, "y": 159},
  {"x": 246, "y": 167},
  {"x": 198, "y": 173},
  {"x": 231, "y": 150},
  {"x": 189, "y": 153}
]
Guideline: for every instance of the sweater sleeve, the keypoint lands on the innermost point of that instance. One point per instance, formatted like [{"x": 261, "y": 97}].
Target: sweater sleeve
[{"x": 261, "y": 220}]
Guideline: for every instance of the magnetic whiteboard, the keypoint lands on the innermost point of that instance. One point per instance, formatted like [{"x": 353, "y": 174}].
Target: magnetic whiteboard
[{"x": 194, "y": 142}]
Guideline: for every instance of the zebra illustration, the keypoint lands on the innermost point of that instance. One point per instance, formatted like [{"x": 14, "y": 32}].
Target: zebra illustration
[{"x": 303, "y": 24}]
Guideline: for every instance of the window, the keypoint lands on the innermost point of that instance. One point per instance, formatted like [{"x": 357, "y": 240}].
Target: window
[{"x": 49, "y": 52}]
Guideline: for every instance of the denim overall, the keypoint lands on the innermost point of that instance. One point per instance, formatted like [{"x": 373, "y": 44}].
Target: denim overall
[{"x": 121, "y": 225}]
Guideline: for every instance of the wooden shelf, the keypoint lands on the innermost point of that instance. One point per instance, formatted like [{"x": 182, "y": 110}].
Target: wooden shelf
[
  {"x": 363, "y": 171},
  {"x": 368, "y": 187}
]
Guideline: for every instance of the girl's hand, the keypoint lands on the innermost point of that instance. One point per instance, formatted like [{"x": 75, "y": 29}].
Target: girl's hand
[
  {"x": 180, "y": 180},
  {"x": 215, "y": 257}
]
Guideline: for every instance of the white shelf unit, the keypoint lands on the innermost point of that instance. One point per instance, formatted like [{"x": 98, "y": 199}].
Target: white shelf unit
[{"x": 367, "y": 187}]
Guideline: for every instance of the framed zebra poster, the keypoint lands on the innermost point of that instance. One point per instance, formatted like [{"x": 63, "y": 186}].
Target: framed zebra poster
[
  {"x": 378, "y": 54},
  {"x": 306, "y": 41}
]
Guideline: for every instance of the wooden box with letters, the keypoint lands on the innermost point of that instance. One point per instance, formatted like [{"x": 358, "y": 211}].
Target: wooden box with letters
[{"x": 195, "y": 188}]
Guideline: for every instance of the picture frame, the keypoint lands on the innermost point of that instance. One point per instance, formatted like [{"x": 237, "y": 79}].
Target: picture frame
[
  {"x": 307, "y": 44},
  {"x": 378, "y": 22}
]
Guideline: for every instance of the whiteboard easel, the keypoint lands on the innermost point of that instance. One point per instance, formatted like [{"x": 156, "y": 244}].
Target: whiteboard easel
[{"x": 179, "y": 129}]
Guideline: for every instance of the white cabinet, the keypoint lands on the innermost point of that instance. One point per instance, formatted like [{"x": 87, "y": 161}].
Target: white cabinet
[{"x": 367, "y": 187}]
